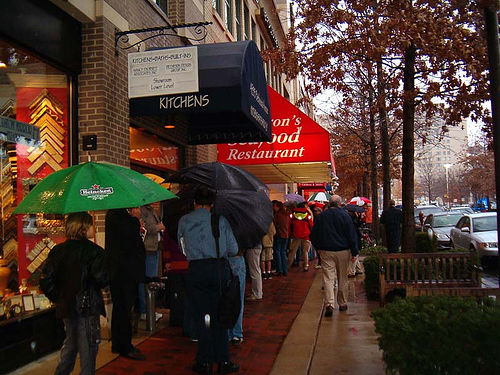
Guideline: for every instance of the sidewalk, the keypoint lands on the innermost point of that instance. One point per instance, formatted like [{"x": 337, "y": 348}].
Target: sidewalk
[
  {"x": 284, "y": 334},
  {"x": 343, "y": 344}
]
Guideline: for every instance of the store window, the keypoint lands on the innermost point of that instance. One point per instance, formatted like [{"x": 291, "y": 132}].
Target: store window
[
  {"x": 239, "y": 33},
  {"x": 246, "y": 20},
  {"x": 162, "y": 4},
  {"x": 152, "y": 153},
  {"x": 36, "y": 93},
  {"x": 216, "y": 4},
  {"x": 228, "y": 5}
]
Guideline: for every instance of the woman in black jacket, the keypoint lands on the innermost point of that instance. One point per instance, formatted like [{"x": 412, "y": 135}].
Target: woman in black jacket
[{"x": 73, "y": 276}]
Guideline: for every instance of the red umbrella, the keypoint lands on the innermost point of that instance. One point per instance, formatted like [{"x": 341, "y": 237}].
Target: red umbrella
[{"x": 360, "y": 201}]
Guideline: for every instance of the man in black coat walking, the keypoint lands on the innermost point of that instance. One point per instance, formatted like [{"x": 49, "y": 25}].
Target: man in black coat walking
[
  {"x": 392, "y": 218},
  {"x": 126, "y": 265},
  {"x": 335, "y": 238}
]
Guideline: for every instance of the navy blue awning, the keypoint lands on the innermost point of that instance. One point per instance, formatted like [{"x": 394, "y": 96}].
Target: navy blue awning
[{"x": 232, "y": 104}]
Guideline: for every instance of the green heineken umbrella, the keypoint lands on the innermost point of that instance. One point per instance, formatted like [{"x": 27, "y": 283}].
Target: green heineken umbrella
[{"x": 92, "y": 187}]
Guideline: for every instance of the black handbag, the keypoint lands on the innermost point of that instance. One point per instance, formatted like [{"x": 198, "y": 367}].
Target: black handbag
[{"x": 229, "y": 305}]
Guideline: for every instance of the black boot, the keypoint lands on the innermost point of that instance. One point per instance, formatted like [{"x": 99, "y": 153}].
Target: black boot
[
  {"x": 228, "y": 367},
  {"x": 202, "y": 367}
]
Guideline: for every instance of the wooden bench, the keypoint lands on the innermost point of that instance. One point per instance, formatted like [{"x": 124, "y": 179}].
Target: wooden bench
[
  {"x": 416, "y": 272},
  {"x": 477, "y": 292}
]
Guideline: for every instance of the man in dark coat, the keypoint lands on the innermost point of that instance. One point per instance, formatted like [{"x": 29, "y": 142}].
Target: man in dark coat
[
  {"x": 392, "y": 218},
  {"x": 335, "y": 238},
  {"x": 126, "y": 264}
]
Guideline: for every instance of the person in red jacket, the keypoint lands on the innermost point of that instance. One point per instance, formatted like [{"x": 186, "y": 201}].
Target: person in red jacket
[{"x": 300, "y": 228}]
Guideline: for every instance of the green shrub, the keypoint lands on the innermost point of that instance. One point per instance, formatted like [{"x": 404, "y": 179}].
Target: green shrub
[
  {"x": 424, "y": 244},
  {"x": 373, "y": 250},
  {"x": 439, "y": 335},
  {"x": 372, "y": 283},
  {"x": 371, "y": 264}
]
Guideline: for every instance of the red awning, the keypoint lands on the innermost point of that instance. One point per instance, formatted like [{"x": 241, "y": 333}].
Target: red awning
[{"x": 299, "y": 150}]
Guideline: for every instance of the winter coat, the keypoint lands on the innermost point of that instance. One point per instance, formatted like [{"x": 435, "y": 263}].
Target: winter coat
[
  {"x": 63, "y": 277},
  {"x": 282, "y": 223},
  {"x": 124, "y": 247},
  {"x": 334, "y": 231},
  {"x": 301, "y": 223},
  {"x": 268, "y": 239}
]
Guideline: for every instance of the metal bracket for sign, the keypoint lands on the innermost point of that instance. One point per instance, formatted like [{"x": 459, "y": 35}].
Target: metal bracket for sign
[{"x": 122, "y": 39}]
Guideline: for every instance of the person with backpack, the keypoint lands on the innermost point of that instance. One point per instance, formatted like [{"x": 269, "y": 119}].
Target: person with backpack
[{"x": 301, "y": 223}]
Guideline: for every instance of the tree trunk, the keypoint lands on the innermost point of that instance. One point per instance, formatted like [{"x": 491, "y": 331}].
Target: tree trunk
[
  {"x": 373, "y": 167},
  {"x": 384, "y": 139},
  {"x": 407, "y": 178},
  {"x": 491, "y": 22}
]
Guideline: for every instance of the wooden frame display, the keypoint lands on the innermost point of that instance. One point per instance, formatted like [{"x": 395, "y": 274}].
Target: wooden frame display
[{"x": 28, "y": 302}]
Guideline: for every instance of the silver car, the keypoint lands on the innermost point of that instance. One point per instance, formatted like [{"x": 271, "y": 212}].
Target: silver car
[
  {"x": 476, "y": 232},
  {"x": 439, "y": 225}
]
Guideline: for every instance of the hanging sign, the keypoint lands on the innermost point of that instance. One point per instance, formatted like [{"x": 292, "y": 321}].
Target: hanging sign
[{"x": 163, "y": 72}]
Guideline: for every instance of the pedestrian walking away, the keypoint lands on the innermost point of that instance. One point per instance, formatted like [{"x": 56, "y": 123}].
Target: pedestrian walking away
[
  {"x": 334, "y": 235},
  {"x": 206, "y": 274},
  {"x": 391, "y": 218},
  {"x": 72, "y": 278}
]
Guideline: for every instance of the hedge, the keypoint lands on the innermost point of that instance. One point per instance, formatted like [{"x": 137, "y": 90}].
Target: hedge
[{"x": 439, "y": 335}]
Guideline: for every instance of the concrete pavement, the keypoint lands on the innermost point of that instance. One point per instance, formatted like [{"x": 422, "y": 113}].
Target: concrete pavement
[{"x": 346, "y": 343}]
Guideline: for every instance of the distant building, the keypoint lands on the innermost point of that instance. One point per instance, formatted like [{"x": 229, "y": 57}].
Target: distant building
[{"x": 437, "y": 153}]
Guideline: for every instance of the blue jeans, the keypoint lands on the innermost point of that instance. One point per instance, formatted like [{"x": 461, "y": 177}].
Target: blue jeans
[
  {"x": 280, "y": 245},
  {"x": 152, "y": 260},
  {"x": 82, "y": 336},
  {"x": 238, "y": 268}
]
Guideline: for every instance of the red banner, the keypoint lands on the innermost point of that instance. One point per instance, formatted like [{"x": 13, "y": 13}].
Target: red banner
[{"x": 296, "y": 139}]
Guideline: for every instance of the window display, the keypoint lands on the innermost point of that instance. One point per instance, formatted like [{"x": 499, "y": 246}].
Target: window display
[{"x": 32, "y": 92}]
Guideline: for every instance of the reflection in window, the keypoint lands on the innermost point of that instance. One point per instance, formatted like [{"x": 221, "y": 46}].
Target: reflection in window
[
  {"x": 216, "y": 4},
  {"x": 246, "y": 20},
  {"x": 238, "y": 20},
  {"x": 228, "y": 15}
]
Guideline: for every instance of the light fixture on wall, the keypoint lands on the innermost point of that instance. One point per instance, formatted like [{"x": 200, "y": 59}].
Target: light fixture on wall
[
  {"x": 2, "y": 64},
  {"x": 169, "y": 126}
]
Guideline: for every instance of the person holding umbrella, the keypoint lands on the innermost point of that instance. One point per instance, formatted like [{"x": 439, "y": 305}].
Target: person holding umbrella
[
  {"x": 126, "y": 263},
  {"x": 206, "y": 274},
  {"x": 72, "y": 278}
]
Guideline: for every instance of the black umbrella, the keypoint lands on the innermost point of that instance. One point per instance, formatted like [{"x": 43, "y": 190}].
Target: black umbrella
[
  {"x": 241, "y": 198},
  {"x": 354, "y": 208}
]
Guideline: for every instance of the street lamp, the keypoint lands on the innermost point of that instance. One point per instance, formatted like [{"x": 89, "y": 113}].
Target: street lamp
[{"x": 446, "y": 167}]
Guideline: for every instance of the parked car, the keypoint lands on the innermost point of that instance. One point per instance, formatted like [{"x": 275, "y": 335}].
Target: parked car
[
  {"x": 476, "y": 232},
  {"x": 439, "y": 224},
  {"x": 426, "y": 210},
  {"x": 478, "y": 207},
  {"x": 462, "y": 210}
]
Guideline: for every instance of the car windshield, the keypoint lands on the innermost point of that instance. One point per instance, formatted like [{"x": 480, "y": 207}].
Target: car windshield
[
  {"x": 464, "y": 210},
  {"x": 446, "y": 220},
  {"x": 427, "y": 210},
  {"x": 484, "y": 224}
]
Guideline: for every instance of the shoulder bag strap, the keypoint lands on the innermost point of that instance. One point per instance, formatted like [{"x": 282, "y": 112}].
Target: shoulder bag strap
[{"x": 216, "y": 233}]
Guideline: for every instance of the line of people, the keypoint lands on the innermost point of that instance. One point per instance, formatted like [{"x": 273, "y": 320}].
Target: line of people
[{"x": 132, "y": 254}]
